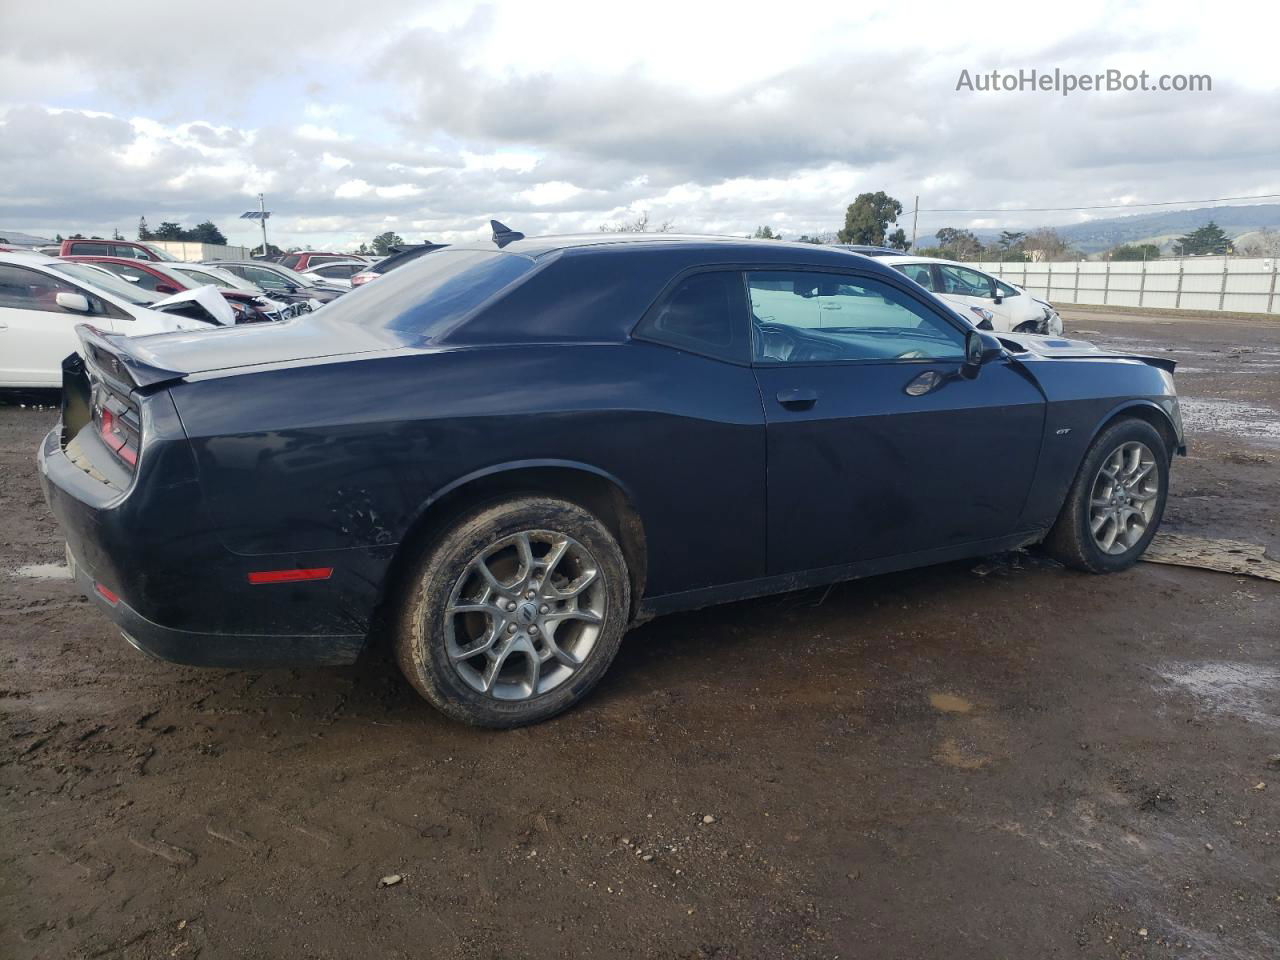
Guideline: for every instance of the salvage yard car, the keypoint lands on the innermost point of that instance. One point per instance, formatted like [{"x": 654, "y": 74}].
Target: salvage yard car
[
  {"x": 503, "y": 454},
  {"x": 991, "y": 303},
  {"x": 43, "y": 300}
]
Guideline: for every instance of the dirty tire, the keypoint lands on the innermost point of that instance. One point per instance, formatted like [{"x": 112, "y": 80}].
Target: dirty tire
[
  {"x": 1070, "y": 541},
  {"x": 420, "y": 640}
]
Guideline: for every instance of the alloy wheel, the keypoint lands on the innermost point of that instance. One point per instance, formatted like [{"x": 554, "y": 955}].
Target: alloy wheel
[
  {"x": 525, "y": 615},
  {"x": 1123, "y": 499}
]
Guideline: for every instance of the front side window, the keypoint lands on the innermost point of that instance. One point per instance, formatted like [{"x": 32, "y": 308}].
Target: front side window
[
  {"x": 291, "y": 261},
  {"x": 919, "y": 272},
  {"x": 801, "y": 317},
  {"x": 263, "y": 278},
  {"x": 1007, "y": 291},
  {"x": 703, "y": 314},
  {"x": 22, "y": 289},
  {"x": 138, "y": 278},
  {"x": 963, "y": 282}
]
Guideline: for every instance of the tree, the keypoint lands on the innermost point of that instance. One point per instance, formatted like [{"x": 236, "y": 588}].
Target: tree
[
  {"x": 1135, "y": 251},
  {"x": 957, "y": 243},
  {"x": 1209, "y": 239},
  {"x": 168, "y": 231},
  {"x": 1045, "y": 244},
  {"x": 826, "y": 237},
  {"x": 383, "y": 242},
  {"x": 143, "y": 232},
  {"x": 868, "y": 217},
  {"x": 765, "y": 233},
  {"x": 639, "y": 225},
  {"x": 272, "y": 250},
  {"x": 57, "y": 237},
  {"x": 898, "y": 240},
  {"x": 1011, "y": 241},
  {"x": 206, "y": 233},
  {"x": 1263, "y": 243}
]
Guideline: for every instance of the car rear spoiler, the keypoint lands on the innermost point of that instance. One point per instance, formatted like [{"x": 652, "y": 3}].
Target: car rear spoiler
[{"x": 122, "y": 359}]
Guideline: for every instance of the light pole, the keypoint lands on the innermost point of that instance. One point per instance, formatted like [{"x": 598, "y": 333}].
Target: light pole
[{"x": 260, "y": 215}]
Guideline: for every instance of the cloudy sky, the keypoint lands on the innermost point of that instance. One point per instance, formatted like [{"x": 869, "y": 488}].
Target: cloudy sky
[{"x": 429, "y": 118}]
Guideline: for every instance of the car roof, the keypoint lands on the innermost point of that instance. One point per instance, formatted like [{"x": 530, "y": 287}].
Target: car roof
[
  {"x": 24, "y": 259},
  {"x": 908, "y": 258},
  {"x": 714, "y": 249}
]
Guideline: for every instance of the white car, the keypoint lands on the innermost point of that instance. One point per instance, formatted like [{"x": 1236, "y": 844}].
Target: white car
[
  {"x": 43, "y": 299},
  {"x": 337, "y": 272},
  {"x": 986, "y": 301}
]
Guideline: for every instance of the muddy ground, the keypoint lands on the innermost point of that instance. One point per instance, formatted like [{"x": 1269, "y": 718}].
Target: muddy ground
[{"x": 980, "y": 760}]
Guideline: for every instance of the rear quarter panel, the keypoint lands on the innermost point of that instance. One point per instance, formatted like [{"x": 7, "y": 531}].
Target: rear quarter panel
[{"x": 338, "y": 455}]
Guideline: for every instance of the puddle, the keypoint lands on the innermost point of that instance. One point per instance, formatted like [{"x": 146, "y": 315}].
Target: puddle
[
  {"x": 1241, "y": 689},
  {"x": 949, "y": 703},
  {"x": 44, "y": 571},
  {"x": 1249, "y": 420}
]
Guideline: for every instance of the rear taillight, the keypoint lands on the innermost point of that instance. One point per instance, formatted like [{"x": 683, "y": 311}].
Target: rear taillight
[
  {"x": 360, "y": 278},
  {"x": 118, "y": 424}
]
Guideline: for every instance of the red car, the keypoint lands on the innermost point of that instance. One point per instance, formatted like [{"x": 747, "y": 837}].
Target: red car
[
  {"x": 128, "y": 249},
  {"x": 306, "y": 259}
]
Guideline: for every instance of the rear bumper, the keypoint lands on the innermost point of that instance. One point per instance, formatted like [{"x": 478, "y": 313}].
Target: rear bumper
[
  {"x": 216, "y": 649},
  {"x": 117, "y": 541}
]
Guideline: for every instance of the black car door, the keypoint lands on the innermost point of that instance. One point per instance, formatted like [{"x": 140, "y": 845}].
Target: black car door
[{"x": 877, "y": 445}]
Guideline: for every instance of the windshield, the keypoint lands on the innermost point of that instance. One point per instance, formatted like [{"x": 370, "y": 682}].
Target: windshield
[
  {"x": 162, "y": 254},
  {"x": 297, "y": 279},
  {"x": 219, "y": 278},
  {"x": 428, "y": 297},
  {"x": 92, "y": 276}
]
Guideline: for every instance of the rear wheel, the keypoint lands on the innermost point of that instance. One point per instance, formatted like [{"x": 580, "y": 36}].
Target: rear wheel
[
  {"x": 1115, "y": 505},
  {"x": 515, "y": 612}
]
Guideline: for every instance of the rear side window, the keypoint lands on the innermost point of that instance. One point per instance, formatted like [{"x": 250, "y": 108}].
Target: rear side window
[
  {"x": 290, "y": 261},
  {"x": 429, "y": 297},
  {"x": 704, "y": 313}
]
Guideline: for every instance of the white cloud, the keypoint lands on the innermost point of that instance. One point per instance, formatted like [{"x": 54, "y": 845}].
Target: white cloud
[{"x": 447, "y": 114}]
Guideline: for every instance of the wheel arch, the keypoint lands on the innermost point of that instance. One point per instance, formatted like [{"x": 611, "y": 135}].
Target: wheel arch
[
  {"x": 1146, "y": 410},
  {"x": 596, "y": 490}
]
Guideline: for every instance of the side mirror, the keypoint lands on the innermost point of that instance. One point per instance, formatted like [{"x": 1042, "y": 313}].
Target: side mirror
[
  {"x": 997, "y": 298},
  {"x": 978, "y": 349},
  {"x": 166, "y": 288},
  {"x": 75, "y": 302}
]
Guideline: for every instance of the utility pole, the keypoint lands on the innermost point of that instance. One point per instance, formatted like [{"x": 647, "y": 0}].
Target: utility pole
[
  {"x": 262, "y": 208},
  {"x": 260, "y": 215},
  {"x": 915, "y": 218}
]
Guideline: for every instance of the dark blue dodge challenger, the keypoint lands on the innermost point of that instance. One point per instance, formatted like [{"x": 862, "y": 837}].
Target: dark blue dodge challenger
[{"x": 503, "y": 454}]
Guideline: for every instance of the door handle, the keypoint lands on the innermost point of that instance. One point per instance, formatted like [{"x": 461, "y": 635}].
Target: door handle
[{"x": 800, "y": 398}]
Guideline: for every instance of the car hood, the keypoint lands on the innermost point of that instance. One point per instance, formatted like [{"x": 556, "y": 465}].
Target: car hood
[
  {"x": 1064, "y": 348},
  {"x": 191, "y": 302},
  {"x": 309, "y": 337}
]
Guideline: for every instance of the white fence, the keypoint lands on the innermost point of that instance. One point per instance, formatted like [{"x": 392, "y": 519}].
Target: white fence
[
  {"x": 1244, "y": 284},
  {"x": 193, "y": 252}
]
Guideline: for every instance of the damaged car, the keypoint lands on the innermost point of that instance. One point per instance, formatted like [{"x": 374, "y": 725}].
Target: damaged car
[
  {"x": 988, "y": 302},
  {"x": 43, "y": 299},
  {"x": 499, "y": 457}
]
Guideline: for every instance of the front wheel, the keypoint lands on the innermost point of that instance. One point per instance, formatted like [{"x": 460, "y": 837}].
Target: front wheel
[
  {"x": 515, "y": 612},
  {"x": 1114, "y": 507}
]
